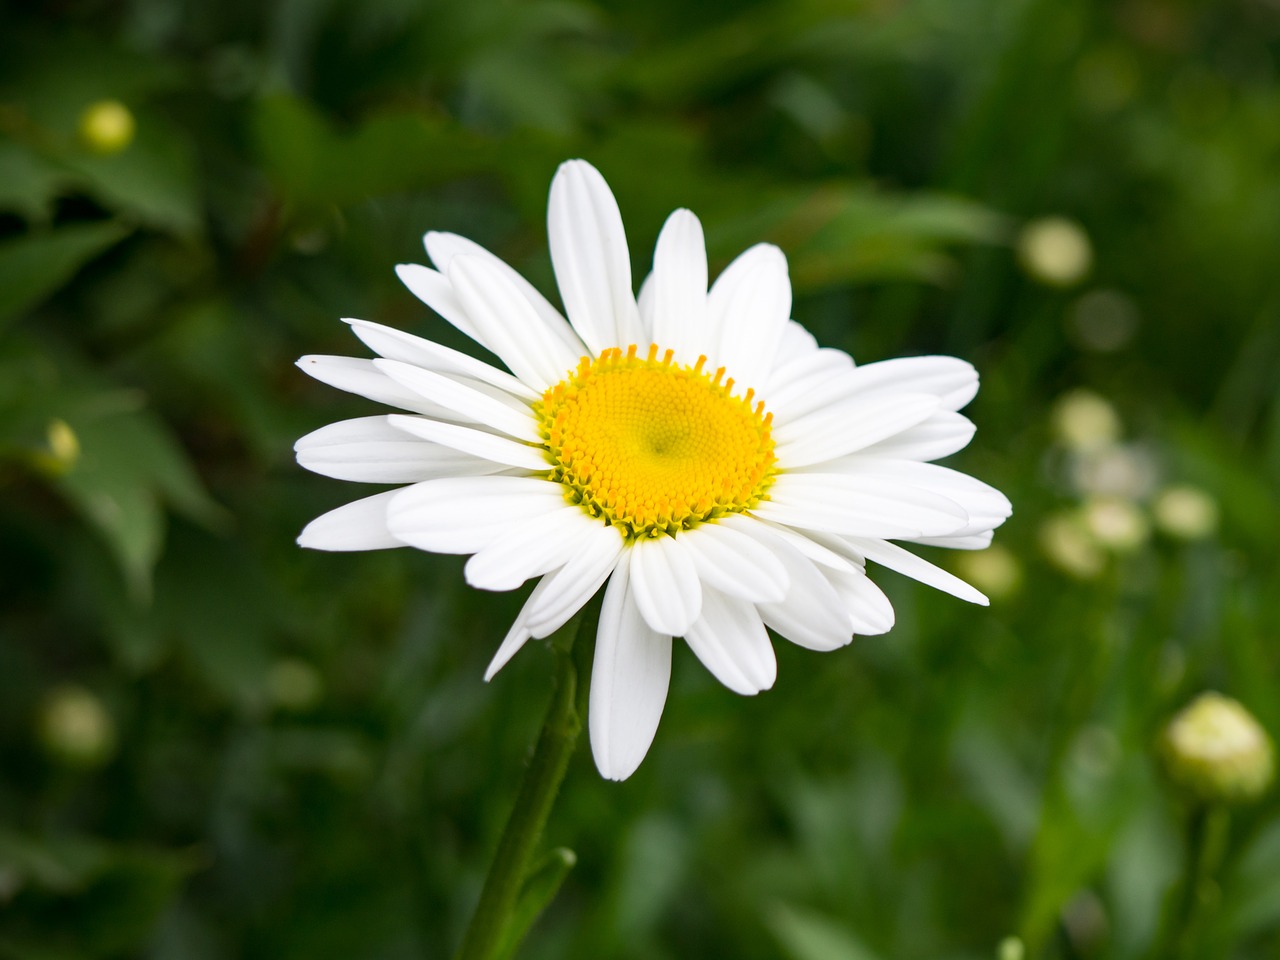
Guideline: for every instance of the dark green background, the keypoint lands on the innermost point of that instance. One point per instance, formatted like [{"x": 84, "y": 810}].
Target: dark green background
[{"x": 976, "y": 773}]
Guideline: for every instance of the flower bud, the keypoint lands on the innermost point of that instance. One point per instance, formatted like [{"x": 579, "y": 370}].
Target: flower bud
[
  {"x": 1084, "y": 420},
  {"x": 995, "y": 571},
  {"x": 1055, "y": 251},
  {"x": 106, "y": 127},
  {"x": 1187, "y": 513},
  {"x": 1068, "y": 544},
  {"x": 1116, "y": 523},
  {"x": 1217, "y": 752},
  {"x": 75, "y": 727}
]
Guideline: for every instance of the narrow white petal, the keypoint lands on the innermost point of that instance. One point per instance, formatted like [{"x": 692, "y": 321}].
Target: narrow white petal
[
  {"x": 848, "y": 426},
  {"x": 510, "y": 325},
  {"x": 443, "y": 247},
  {"x": 463, "y": 400},
  {"x": 665, "y": 584},
  {"x": 466, "y": 514},
  {"x": 796, "y": 342},
  {"x": 371, "y": 450},
  {"x": 747, "y": 311},
  {"x": 908, "y": 564},
  {"x": 435, "y": 290},
  {"x": 730, "y": 640},
  {"x": 395, "y": 344},
  {"x": 986, "y": 506},
  {"x": 577, "y": 581},
  {"x": 813, "y": 544},
  {"x": 731, "y": 561},
  {"x": 855, "y": 505},
  {"x": 629, "y": 681},
  {"x": 953, "y": 381},
  {"x": 590, "y": 258},
  {"x": 361, "y": 377},
  {"x": 477, "y": 443},
  {"x": 680, "y": 288},
  {"x": 977, "y": 541},
  {"x": 530, "y": 548},
  {"x": 516, "y": 637},
  {"x": 645, "y": 301},
  {"x": 941, "y": 435},
  {"x": 361, "y": 525},
  {"x": 870, "y": 612},
  {"x": 792, "y": 383},
  {"x": 813, "y": 615}
]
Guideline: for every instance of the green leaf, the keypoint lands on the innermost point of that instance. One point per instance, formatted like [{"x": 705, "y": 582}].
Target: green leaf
[
  {"x": 130, "y": 467},
  {"x": 808, "y": 936},
  {"x": 36, "y": 266}
]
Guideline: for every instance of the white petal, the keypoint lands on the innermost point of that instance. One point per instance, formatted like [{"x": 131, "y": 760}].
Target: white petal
[
  {"x": 731, "y": 561},
  {"x": 435, "y": 290},
  {"x": 870, "y": 612},
  {"x": 361, "y": 525},
  {"x": 645, "y": 301},
  {"x": 477, "y": 443},
  {"x": 509, "y": 324},
  {"x": 516, "y": 637},
  {"x": 361, "y": 377},
  {"x": 576, "y": 582},
  {"x": 796, "y": 343},
  {"x": 813, "y": 615},
  {"x": 590, "y": 258},
  {"x": 847, "y": 426},
  {"x": 979, "y": 541},
  {"x": 371, "y": 450},
  {"x": 398, "y": 345},
  {"x": 813, "y": 544},
  {"x": 791, "y": 384},
  {"x": 730, "y": 640},
  {"x": 629, "y": 681},
  {"x": 443, "y": 247},
  {"x": 986, "y": 506},
  {"x": 953, "y": 381},
  {"x": 747, "y": 311},
  {"x": 466, "y": 514},
  {"x": 665, "y": 584},
  {"x": 907, "y": 563},
  {"x": 680, "y": 288},
  {"x": 463, "y": 400},
  {"x": 941, "y": 435},
  {"x": 530, "y": 548},
  {"x": 854, "y": 505}
]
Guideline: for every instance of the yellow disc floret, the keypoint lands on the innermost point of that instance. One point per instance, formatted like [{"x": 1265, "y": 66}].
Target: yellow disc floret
[{"x": 653, "y": 446}]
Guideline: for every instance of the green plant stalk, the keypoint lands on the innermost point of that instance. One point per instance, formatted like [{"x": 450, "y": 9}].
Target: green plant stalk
[
  {"x": 1207, "y": 830},
  {"x": 487, "y": 935}
]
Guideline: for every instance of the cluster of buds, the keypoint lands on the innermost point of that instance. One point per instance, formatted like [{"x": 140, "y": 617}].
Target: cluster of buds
[{"x": 1120, "y": 499}]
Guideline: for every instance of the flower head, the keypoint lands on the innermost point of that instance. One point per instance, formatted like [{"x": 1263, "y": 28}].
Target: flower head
[{"x": 692, "y": 450}]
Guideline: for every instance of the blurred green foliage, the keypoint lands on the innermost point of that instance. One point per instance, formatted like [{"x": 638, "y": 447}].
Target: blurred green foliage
[{"x": 293, "y": 755}]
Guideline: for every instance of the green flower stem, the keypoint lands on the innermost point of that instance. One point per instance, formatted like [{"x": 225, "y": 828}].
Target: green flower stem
[
  {"x": 1207, "y": 832},
  {"x": 488, "y": 935}
]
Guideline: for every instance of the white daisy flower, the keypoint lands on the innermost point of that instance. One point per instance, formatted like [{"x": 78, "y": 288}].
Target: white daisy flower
[{"x": 693, "y": 451}]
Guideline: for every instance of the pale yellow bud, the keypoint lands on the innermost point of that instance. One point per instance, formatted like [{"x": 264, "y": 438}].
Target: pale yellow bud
[
  {"x": 1116, "y": 523},
  {"x": 75, "y": 727},
  {"x": 1186, "y": 512},
  {"x": 1216, "y": 751},
  {"x": 1069, "y": 546},
  {"x": 995, "y": 571},
  {"x": 1055, "y": 251},
  {"x": 1084, "y": 420},
  {"x": 106, "y": 127}
]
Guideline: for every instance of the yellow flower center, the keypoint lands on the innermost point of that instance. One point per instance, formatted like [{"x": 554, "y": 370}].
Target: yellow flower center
[{"x": 652, "y": 446}]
